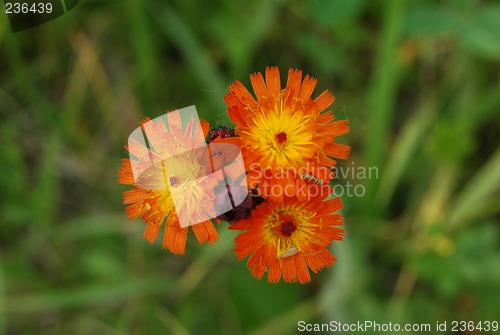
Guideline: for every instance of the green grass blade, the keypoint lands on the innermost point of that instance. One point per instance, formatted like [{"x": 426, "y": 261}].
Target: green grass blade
[
  {"x": 3, "y": 320},
  {"x": 286, "y": 323},
  {"x": 402, "y": 153},
  {"x": 91, "y": 295},
  {"x": 382, "y": 91},
  {"x": 204, "y": 263},
  {"x": 196, "y": 56},
  {"x": 477, "y": 191}
]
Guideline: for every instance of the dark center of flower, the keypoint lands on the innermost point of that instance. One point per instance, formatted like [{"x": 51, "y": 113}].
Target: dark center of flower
[
  {"x": 173, "y": 181},
  {"x": 287, "y": 228},
  {"x": 280, "y": 137}
]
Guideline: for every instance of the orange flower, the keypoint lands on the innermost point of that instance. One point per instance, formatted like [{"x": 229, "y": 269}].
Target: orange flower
[
  {"x": 284, "y": 133},
  {"x": 152, "y": 199},
  {"x": 286, "y": 238}
]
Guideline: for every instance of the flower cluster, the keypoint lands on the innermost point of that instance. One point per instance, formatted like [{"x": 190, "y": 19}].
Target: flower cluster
[{"x": 288, "y": 144}]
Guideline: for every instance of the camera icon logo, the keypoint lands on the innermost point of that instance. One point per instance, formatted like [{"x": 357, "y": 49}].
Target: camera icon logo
[{"x": 169, "y": 154}]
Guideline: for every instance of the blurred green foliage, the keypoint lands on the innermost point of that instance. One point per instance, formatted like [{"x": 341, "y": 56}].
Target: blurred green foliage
[{"x": 419, "y": 81}]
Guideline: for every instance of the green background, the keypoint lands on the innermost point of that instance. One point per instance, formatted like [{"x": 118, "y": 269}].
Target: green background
[{"x": 418, "y": 80}]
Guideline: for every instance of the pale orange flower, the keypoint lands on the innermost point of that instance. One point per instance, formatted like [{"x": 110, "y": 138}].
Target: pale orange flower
[{"x": 152, "y": 200}]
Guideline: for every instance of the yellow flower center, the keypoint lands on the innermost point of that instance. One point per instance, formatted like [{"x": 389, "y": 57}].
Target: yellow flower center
[
  {"x": 189, "y": 186},
  {"x": 281, "y": 136}
]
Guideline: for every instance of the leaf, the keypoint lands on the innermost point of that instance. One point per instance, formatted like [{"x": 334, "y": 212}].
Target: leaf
[
  {"x": 482, "y": 35},
  {"x": 331, "y": 59},
  {"x": 478, "y": 190},
  {"x": 470, "y": 265},
  {"x": 335, "y": 13},
  {"x": 431, "y": 21}
]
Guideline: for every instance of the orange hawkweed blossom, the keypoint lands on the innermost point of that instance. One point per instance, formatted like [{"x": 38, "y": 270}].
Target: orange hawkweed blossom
[
  {"x": 154, "y": 201},
  {"x": 288, "y": 143},
  {"x": 285, "y": 135},
  {"x": 288, "y": 238}
]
